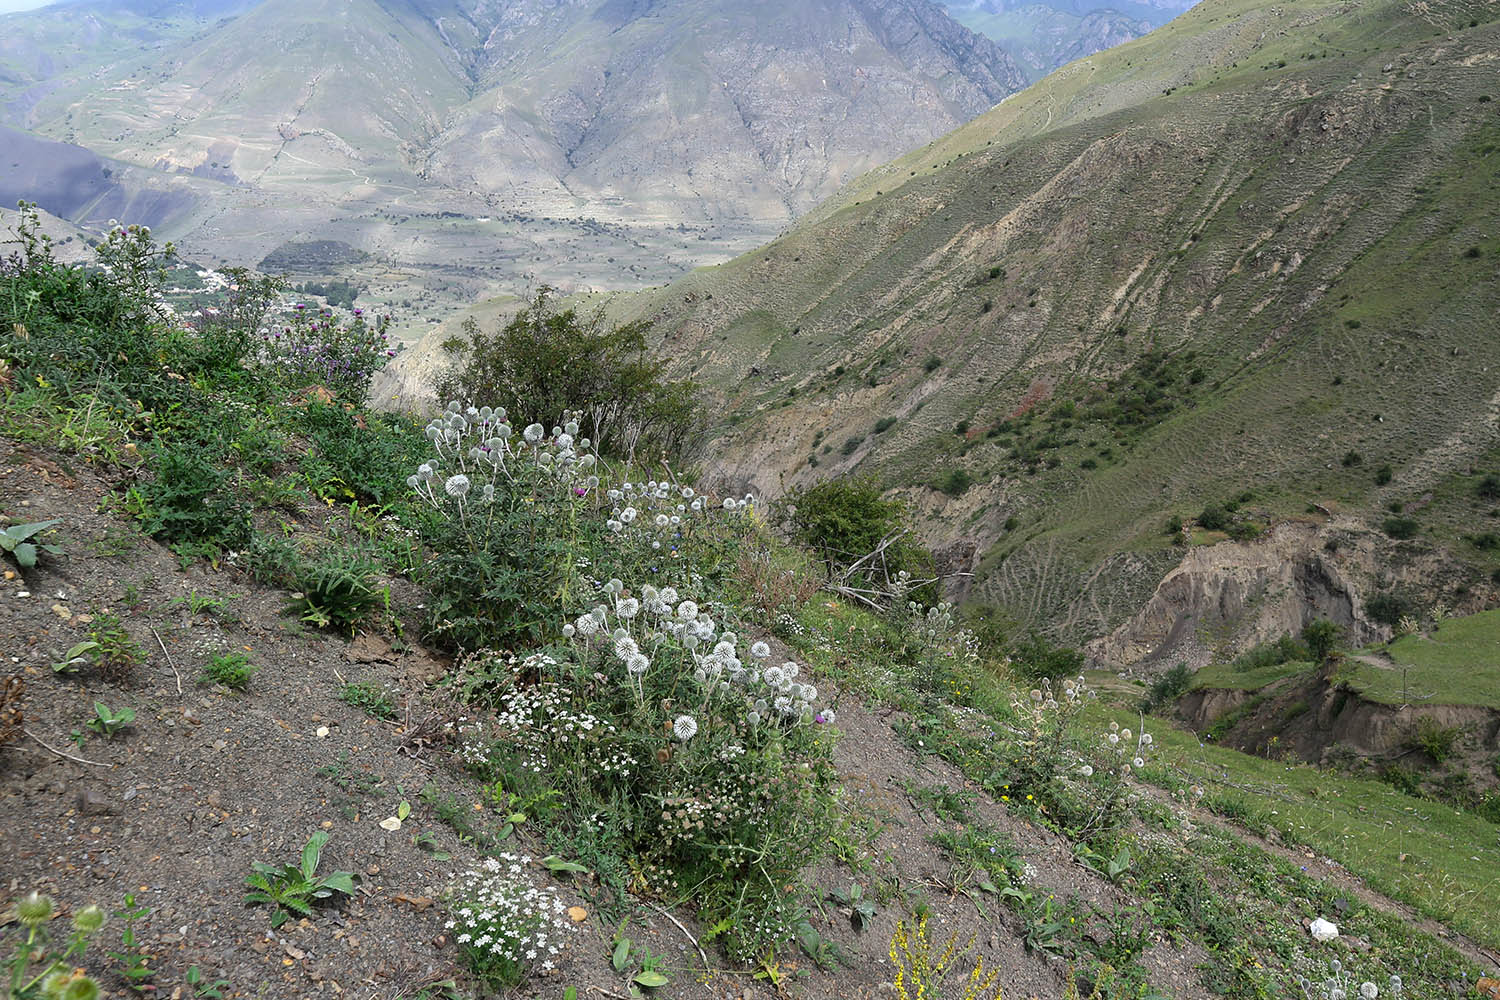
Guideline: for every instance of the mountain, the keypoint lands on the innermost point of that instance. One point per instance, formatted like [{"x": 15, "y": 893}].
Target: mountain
[
  {"x": 471, "y": 147},
  {"x": 1241, "y": 273},
  {"x": 1042, "y": 37}
]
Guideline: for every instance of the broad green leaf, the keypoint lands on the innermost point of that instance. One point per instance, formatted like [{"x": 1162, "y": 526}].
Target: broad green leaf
[
  {"x": 403, "y": 810},
  {"x": 313, "y": 852},
  {"x": 557, "y": 864},
  {"x": 25, "y": 555},
  {"x": 21, "y": 532},
  {"x": 650, "y": 978},
  {"x": 621, "y": 954},
  {"x": 341, "y": 881}
]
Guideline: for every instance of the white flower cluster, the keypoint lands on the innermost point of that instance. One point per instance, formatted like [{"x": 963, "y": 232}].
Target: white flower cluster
[
  {"x": 1340, "y": 985},
  {"x": 1122, "y": 742},
  {"x": 478, "y": 451},
  {"x": 662, "y": 623},
  {"x": 541, "y": 721},
  {"x": 658, "y": 511},
  {"x": 498, "y": 913}
]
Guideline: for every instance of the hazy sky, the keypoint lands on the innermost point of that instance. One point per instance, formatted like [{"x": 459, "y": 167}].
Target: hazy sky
[{"x": 7, "y": 6}]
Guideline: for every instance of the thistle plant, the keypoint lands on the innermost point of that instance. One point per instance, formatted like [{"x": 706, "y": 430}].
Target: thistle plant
[
  {"x": 679, "y": 748},
  {"x": 1340, "y": 984},
  {"x": 505, "y": 523},
  {"x": 36, "y": 969},
  {"x": 318, "y": 347}
]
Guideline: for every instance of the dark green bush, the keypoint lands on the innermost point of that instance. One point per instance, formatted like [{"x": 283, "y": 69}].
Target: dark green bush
[
  {"x": 1400, "y": 528},
  {"x": 1167, "y": 688},
  {"x": 1433, "y": 738},
  {"x": 1387, "y": 609},
  {"x": 338, "y": 589},
  {"x": 192, "y": 501},
  {"x": 548, "y": 360},
  {"x": 1384, "y": 475},
  {"x": 1037, "y": 658},
  {"x": 1213, "y": 518},
  {"x": 1321, "y": 636},
  {"x": 1489, "y": 487}
]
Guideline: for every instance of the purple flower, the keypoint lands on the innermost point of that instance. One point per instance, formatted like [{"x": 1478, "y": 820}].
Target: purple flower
[{"x": 819, "y": 718}]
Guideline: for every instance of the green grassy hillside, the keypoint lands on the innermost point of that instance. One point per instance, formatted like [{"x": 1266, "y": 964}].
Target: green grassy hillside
[{"x": 1250, "y": 258}]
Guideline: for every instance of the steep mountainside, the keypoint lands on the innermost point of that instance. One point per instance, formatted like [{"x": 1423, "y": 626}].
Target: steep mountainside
[
  {"x": 510, "y": 119},
  {"x": 1249, "y": 260},
  {"x": 1042, "y": 37}
]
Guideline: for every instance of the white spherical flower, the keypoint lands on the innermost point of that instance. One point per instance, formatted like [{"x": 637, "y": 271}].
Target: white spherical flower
[
  {"x": 662, "y": 520},
  {"x": 628, "y": 515},
  {"x": 569, "y": 631},
  {"x": 790, "y": 669},
  {"x": 729, "y": 503},
  {"x": 687, "y": 493},
  {"x": 1145, "y": 739},
  {"x": 534, "y": 433},
  {"x": 774, "y": 677},
  {"x": 1113, "y": 738},
  {"x": 685, "y": 728},
  {"x": 586, "y": 625},
  {"x": 457, "y": 486},
  {"x": 628, "y": 607},
  {"x": 1139, "y": 762},
  {"x": 669, "y": 595},
  {"x": 1086, "y": 771},
  {"x": 638, "y": 663},
  {"x": 760, "y": 651},
  {"x": 1369, "y": 991},
  {"x": 687, "y": 611}
]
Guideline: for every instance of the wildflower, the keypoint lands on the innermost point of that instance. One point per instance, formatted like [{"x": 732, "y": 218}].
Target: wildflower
[
  {"x": 1369, "y": 991},
  {"x": 628, "y": 607},
  {"x": 685, "y": 727},
  {"x": 1086, "y": 771},
  {"x": 457, "y": 486},
  {"x": 687, "y": 611},
  {"x": 760, "y": 651},
  {"x": 637, "y": 663},
  {"x": 1138, "y": 762}
]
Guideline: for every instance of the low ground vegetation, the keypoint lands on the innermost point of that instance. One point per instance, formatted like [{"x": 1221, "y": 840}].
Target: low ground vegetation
[{"x": 646, "y": 698}]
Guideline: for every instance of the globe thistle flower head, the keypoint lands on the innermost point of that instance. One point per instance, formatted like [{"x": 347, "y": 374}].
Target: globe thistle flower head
[
  {"x": 534, "y": 433},
  {"x": 34, "y": 910},
  {"x": 637, "y": 663},
  {"x": 685, "y": 727},
  {"x": 760, "y": 650},
  {"x": 687, "y": 611}
]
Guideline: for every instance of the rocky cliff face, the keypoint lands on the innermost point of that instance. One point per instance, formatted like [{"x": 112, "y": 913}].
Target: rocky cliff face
[{"x": 1234, "y": 595}]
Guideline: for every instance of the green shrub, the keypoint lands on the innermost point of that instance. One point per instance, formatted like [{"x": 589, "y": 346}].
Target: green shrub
[
  {"x": 884, "y": 424},
  {"x": 1400, "y": 528},
  {"x": 1321, "y": 636},
  {"x": 1384, "y": 475},
  {"x": 232, "y": 669},
  {"x": 956, "y": 482},
  {"x": 1271, "y": 654},
  {"x": 193, "y": 501},
  {"x": 1433, "y": 738},
  {"x": 1037, "y": 659},
  {"x": 337, "y": 589},
  {"x": 1167, "y": 688},
  {"x": 842, "y": 519},
  {"x": 1489, "y": 487},
  {"x": 1352, "y": 458},
  {"x": 1387, "y": 609},
  {"x": 1213, "y": 518},
  {"x": 548, "y": 360}
]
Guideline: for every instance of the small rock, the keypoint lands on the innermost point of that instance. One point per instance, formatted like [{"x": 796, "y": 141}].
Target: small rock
[
  {"x": 322, "y": 732},
  {"x": 94, "y": 803}
]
